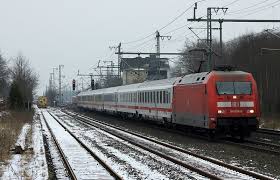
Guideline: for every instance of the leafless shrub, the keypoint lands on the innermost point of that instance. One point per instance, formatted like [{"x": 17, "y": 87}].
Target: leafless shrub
[{"x": 10, "y": 127}]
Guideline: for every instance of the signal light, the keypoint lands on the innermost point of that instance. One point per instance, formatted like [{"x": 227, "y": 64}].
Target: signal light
[
  {"x": 92, "y": 84},
  {"x": 73, "y": 84}
]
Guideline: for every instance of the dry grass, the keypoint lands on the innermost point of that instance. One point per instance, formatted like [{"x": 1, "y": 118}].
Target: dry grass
[{"x": 10, "y": 127}]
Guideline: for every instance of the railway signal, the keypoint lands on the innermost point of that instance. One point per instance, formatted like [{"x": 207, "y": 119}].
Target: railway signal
[
  {"x": 92, "y": 84},
  {"x": 74, "y": 84}
]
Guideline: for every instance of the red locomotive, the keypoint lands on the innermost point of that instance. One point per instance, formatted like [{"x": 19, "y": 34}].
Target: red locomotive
[{"x": 220, "y": 102}]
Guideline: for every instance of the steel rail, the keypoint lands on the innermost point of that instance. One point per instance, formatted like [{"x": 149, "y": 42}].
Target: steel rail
[
  {"x": 251, "y": 147},
  {"x": 253, "y": 174},
  {"x": 268, "y": 131},
  {"x": 64, "y": 159},
  {"x": 174, "y": 160},
  {"x": 106, "y": 166},
  {"x": 272, "y": 145},
  {"x": 229, "y": 142}
]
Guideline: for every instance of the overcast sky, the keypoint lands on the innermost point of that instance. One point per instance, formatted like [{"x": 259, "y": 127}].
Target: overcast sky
[{"x": 78, "y": 33}]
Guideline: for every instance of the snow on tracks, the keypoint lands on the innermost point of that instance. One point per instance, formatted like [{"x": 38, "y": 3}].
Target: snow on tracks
[{"x": 81, "y": 161}]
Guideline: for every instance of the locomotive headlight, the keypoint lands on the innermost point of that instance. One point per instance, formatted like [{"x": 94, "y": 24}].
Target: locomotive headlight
[
  {"x": 251, "y": 111},
  {"x": 221, "y": 111}
]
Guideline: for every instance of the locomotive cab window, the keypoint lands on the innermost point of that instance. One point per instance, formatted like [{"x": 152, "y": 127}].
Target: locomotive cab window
[{"x": 234, "y": 88}]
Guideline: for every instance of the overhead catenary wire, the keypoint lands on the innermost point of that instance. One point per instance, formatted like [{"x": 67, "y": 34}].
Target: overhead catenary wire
[
  {"x": 255, "y": 6},
  {"x": 231, "y": 3},
  {"x": 163, "y": 27},
  {"x": 262, "y": 9}
]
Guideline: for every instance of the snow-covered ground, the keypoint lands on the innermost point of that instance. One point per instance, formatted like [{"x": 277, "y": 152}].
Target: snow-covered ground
[
  {"x": 104, "y": 144},
  {"x": 128, "y": 160},
  {"x": 31, "y": 164},
  {"x": 82, "y": 163}
]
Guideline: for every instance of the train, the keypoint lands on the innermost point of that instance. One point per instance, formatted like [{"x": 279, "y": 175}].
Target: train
[
  {"x": 219, "y": 102},
  {"x": 42, "y": 102}
]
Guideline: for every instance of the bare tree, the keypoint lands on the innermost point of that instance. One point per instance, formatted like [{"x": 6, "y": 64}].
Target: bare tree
[
  {"x": 4, "y": 77},
  {"x": 24, "y": 81}
]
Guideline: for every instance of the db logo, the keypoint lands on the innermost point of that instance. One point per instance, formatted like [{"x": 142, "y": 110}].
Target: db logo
[{"x": 235, "y": 104}]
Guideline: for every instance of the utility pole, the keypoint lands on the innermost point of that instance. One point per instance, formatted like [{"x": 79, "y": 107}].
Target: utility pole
[
  {"x": 209, "y": 33},
  {"x": 59, "y": 91},
  {"x": 118, "y": 48},
  {"x": 158, "y": 37},
  {"x": 119, "y": 60},
  {"x": 209, "y": 21},
  {"x": 53, "y": 78},
  {"x": 50, "y": 82}
]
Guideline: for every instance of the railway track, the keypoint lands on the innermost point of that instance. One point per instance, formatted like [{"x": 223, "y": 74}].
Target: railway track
[
  {"x": 117, "y": 131},
  {"x": 70, "y": 166},
  {"x": 63, "y": 157},
  {"x": 254, "y": 145},
  {"x": 268, "y": 131}
]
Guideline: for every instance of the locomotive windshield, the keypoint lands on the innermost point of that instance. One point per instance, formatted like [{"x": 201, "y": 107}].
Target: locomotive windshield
[{"x": 234, "y": 87}]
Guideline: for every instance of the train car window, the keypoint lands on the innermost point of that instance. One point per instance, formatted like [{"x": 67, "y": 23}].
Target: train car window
[
  {"x": 164, "y": 97},
  {"x": 197, "y": 79},
  {"x": 243, "y": 87},
  {"x": 203, "y": 78},
  {"x": 157, "y": 97},
  {"x": 234, "y": 87},
  {"x": 160, "y": 97},
  {"x": 225, "y": 87},
  {"x": 169, "y": 97},
  {"x": 145, "y": 97}
]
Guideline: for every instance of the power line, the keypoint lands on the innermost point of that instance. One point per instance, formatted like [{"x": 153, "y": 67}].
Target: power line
[
  {"x": 249, "y": 7},
  {"x": 231, "y": 3},
  {"x": 163, "y": 27},
  {"x": 140, "y": 39},
  {"x": 262, "y": 8},
  {"x": 180, "y": 15},
  {"x": 140, "y": 44}
]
